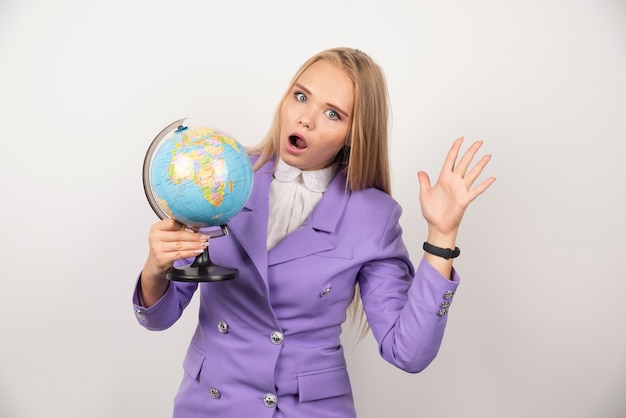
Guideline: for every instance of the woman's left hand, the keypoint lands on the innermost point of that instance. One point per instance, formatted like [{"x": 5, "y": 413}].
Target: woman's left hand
[{"x": 444, "y": 204}]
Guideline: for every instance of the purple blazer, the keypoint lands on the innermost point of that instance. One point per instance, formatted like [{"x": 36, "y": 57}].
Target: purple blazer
[{"x": 268, "y": 342}]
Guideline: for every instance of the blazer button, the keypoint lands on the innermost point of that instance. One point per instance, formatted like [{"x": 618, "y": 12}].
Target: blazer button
[
  {"x": 276, "y": 338},
  {"x": 269, "y": 400},
  {"x": 222, "y": 327},
  {"x": 448, "y": 295},
  {"x": 442, "y": 312},
  {"x": 140, "y": 314},
  {"x": 215, "y": 394},
  {"x": 445, "y": 304},
  {"x": 325, "y": 291}
]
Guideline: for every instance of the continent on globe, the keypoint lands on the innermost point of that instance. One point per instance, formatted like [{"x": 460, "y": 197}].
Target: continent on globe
[{"x": 199, "y": 159}]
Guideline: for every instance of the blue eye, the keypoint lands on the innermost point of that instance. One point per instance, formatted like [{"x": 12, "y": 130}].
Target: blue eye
[
  {"x": 332, "y": 114},
  {"x": 301, "y": 97}
]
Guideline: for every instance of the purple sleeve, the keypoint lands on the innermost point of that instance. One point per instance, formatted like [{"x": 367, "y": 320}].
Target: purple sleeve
[
  {"x": 406, "y": 309},
  {"x": 167, "y": 310}
]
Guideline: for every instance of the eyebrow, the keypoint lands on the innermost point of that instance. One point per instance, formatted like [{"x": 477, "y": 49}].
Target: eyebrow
[{"x": 335, "y": 107}]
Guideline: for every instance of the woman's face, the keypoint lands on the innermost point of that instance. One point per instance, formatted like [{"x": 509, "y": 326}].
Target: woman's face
[{"x": 315, "y": 116}]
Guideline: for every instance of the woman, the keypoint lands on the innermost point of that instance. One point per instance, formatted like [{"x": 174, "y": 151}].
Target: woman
[{"x": 319, "y": 228}]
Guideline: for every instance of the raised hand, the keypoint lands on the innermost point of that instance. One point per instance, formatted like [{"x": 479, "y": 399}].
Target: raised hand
[{"x": 444, "y": 204}]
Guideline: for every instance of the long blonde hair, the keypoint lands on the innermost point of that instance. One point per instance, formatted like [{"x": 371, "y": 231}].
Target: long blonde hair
[{"x": 364, "y": 159}]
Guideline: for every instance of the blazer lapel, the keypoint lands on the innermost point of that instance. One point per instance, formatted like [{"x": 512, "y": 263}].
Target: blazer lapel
[
  {"x": 249, "y": 227},
  {"x": 307, "y": 240}
]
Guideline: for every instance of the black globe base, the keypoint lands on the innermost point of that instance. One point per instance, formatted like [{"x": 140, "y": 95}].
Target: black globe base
[{"x": 202, "y": 270}]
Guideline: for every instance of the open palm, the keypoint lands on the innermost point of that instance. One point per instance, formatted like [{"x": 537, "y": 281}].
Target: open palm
[{"x": 444, "y": 204}]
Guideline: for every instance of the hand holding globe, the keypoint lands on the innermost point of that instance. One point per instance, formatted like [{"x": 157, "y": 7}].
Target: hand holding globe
[{"x": 201, "y": 177}]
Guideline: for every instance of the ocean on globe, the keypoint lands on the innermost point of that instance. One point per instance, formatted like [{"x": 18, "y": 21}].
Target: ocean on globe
[{"x": 200, "y": 176}]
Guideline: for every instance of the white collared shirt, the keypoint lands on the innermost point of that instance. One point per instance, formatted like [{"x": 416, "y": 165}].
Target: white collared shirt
[{"x": 293, "y": 196}]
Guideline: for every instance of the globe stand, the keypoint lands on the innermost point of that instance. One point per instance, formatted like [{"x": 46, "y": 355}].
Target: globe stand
[{"x": 203, "y": 269}]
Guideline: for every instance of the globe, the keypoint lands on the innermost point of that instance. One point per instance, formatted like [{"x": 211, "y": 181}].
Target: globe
[{"x": 201, "y": 177}]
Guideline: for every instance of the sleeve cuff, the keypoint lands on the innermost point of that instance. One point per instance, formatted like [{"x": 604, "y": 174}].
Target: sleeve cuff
[
  {"x": 159, "y": 316},
  {"x": 433, "y": 289}
]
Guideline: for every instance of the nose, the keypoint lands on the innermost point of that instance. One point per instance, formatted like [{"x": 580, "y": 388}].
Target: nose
[{"x": 305, "y": 120}]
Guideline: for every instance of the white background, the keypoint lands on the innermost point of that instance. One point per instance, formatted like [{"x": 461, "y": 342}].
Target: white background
[{"x": 538, "y": 325}]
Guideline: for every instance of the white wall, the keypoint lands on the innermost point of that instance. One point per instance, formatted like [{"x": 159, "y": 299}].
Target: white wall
[{"x": 538, "y": 326}]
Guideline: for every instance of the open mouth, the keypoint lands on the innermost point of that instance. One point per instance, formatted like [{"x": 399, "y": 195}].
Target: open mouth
[{"x": 297, "y": 141}]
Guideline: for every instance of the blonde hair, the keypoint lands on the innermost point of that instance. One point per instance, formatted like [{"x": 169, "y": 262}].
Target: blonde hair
[{"x": 364, "y": 158}]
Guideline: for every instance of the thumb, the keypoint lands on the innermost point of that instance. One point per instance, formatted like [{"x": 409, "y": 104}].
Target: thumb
[{"x": 424, "y": 181}]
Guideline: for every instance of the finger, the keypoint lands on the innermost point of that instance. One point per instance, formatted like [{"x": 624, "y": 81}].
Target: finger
[
  {"x": 473, "y": 174},
  {"x": 164, "y": 261},
  {"x": 168, "y": 224},
  {"x": 183, "y": 247},
  {"x": 453, "y": 154},
  {"x": 186, "y": 235},
  {"x": 169, "y": 233},
  {"x": 466, "y": 159},
  {"x": 168, "y": 252},
  {"x": 478, "y": 190}
]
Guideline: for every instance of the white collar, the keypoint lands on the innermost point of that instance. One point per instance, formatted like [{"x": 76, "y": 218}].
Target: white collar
[{"x": 315, "y": 180}]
